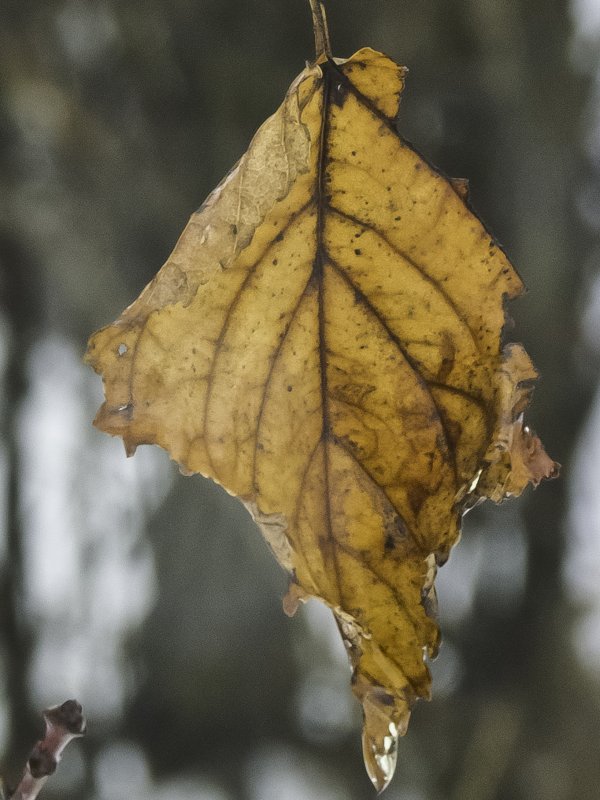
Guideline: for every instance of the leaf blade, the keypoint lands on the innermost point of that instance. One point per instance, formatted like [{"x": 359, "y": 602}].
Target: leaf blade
[{"x": 326, "y": 343}]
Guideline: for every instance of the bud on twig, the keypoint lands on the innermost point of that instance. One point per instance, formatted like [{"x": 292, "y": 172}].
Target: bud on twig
[{"x": 63, "y": 723}]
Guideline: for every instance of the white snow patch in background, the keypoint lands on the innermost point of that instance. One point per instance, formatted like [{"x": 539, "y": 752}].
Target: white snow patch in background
[
  {"x": 278, "y": 773},
  {"x": 582, "y": 564},
  {"x": 122, "y": 772},
  {"x": 89, "y": 573},
  {"x": 188, "y": 789},
  {"x": 87, "y": 31},
  {"x": 581, "y": 568},
  {"x": 4, "y": 347},
  {"x": 586, "y": 18},
  {"x": 590, "y": 325},
  {"x": 456, "y": 581},
  {"x": 323, "y": 628}
]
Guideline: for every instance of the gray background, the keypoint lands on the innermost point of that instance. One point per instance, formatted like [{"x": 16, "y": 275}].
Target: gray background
[{"x": 150, "y": 596}]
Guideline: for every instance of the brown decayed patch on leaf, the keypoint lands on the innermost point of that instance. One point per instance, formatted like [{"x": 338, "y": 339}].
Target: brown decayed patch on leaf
[{"x": 325, "y": 342}]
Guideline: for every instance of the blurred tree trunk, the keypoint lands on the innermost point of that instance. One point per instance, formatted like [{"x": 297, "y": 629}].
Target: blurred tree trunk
[
  {"x": 521, "y": 671},
  {"x": 21, "y": 308}
]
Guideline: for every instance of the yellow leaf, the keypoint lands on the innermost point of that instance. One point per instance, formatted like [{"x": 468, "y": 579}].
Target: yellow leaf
[{"x": 325, "y": 342}]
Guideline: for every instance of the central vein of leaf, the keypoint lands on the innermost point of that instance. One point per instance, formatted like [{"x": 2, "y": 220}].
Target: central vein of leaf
[
  {"x": 319, "y": 278},
  {"x": 320, "y": 252}
]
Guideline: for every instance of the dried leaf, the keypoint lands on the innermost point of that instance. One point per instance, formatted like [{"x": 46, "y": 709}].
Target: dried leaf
[{"x": 325, "y": 342}]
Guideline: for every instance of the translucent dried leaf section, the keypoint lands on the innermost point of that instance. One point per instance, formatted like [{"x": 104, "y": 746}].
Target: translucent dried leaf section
[{"x": 325, "y": 342}]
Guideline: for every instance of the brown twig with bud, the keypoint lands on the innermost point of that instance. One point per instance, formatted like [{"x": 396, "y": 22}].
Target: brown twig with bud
[{"x": 63, "y": 723}]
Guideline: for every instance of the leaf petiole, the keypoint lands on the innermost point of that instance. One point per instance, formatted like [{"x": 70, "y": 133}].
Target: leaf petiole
[{"x": 322, "y": 43}]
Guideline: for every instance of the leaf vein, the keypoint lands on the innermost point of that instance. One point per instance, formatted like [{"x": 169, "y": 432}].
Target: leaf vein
[
  {"x": 421, "y": 270},
  {"x": 210, "y": 378},
  {"x": 448, "y": 449},
  {"x": 273, "y": 361}
]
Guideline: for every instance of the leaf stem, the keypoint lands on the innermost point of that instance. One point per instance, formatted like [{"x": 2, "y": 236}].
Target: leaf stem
[{"x": 322, "y": 43}]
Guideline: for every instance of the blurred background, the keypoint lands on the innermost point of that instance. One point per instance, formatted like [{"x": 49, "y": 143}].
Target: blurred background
[{"x": 151, "y": 597}]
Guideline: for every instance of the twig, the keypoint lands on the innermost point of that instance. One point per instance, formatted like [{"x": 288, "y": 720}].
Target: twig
[{"x": 63, "y": 723}]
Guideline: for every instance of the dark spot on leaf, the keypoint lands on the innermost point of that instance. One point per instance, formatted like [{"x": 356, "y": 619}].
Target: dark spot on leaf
[
  {"x": 339, "y": 93},
  {"x": 416, "y": 496},
  {"x": 385, "y": 698}
]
